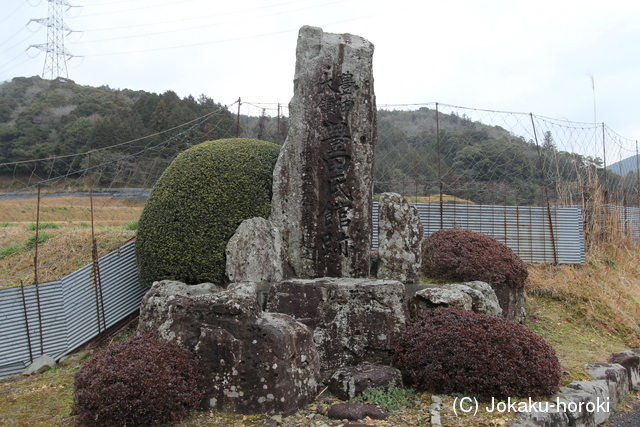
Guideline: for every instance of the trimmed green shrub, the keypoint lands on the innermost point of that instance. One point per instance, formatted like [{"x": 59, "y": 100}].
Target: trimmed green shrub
[
  {"x": 450, "y": 350},
  {"x": 197, "y": 205},
  {"x": 468, "y": 255},
  {"x": 140, "y": 381}
]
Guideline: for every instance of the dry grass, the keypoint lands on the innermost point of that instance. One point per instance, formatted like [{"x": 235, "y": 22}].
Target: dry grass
[
  {"x": 54, "y": 264},
  {"x": 70, "y": 210},
  {"x": 602, "y": 295},
  {"x": 65, "y": 228}
]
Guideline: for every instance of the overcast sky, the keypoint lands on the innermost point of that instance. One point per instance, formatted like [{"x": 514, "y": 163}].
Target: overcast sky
[{"x": 524, "y": 56}]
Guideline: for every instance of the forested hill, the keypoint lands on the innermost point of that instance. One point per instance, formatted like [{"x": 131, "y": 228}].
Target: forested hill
[
  {"x": 52, "y": 118},
  {"x": 43, "y": 118}
]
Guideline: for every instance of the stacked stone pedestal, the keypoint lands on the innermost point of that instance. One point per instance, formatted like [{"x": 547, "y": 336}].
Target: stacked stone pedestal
[{"x": 354, "y": 321}]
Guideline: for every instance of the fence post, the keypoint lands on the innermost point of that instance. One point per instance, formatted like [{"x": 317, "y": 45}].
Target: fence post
[
  {"x": 546, "y": 192},
  {"x": 637, "y": 188},
  {"x": 26, "y": 322},
  {"x": 95, "y": 268},
  {"x": 36, "y": 281},
  {"x": 604, "y": 161},
  {"x": 35, "y": 257},
  {"x": 440, "y": 186}
]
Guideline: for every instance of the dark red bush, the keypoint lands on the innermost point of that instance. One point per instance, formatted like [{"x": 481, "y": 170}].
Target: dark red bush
[
  {"x": 467, "y": 255},
  {"x": 450, "y": 350},
  {"x": 140, "y": 381}
]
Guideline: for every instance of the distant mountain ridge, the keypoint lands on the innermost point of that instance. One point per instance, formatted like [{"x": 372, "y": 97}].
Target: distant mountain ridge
[{"x": 623, "y": 167}]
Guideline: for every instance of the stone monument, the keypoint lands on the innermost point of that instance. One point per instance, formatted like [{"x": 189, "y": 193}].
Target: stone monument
[{"x": 322, "y": 187}]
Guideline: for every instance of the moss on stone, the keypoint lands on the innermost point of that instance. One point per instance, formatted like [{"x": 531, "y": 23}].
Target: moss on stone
[{"x": 196, "y": 206}]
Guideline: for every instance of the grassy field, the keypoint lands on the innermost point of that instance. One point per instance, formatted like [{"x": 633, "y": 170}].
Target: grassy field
[
  {"x": 64, "y": 222},
  {"x": 585, "y": 312}
]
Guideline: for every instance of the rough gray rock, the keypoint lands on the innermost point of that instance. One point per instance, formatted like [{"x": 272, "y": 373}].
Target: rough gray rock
[
  {"x": 630, "y": 359},
  {"x": 354, "y": 320},
  {"x": 599, "y": 392},
  {"x": 350, "y": 382},
  {"x": 40, "y": 365},
  {"x": 511, "y": 301},
  {"x": 616, "y": 377},
  {"x": 357, "y": 411},
  {"x": 483, "y": 297},
  {"x": 433, "y": 297},
  {"x": 255, "y": 253},
  {"x": 323, "y": 179},
  {"x": 400, "y": 234},
  {"x": 251, "y": 361}
]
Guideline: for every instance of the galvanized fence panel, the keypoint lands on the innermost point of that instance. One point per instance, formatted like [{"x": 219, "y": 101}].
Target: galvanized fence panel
[
  {"x": 45, "y": 319},
  {"x": 120, "y": 287},
  {"x": 525, "y": 229},
  {"x": 80, "y": 299},
  {"x": 69, "y": 310}
]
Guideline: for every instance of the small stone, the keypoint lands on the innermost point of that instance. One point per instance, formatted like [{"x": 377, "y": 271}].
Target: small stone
[
  {"x": 40, "y": 365},
  {"x": 350, "y": 382},
  {"x": 356, "y": 411}
]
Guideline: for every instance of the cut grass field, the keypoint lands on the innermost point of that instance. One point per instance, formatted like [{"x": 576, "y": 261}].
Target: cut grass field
[{"x": 585, "y": 312}]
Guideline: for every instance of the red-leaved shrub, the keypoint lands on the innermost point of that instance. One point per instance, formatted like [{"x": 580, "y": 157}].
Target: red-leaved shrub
[
  {"x": 468, "y": 255},
  {"x": 450, "y": 350},
  {"x": 140, "y": 381}
]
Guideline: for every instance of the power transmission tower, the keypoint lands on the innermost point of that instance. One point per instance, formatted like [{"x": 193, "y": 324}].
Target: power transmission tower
[{"x": 55, "y": 61}]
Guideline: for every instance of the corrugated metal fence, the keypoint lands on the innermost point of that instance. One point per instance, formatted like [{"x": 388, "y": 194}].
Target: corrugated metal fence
[
  {"x": 536, "y": 234},
  {"x": 56, "y": 317}
]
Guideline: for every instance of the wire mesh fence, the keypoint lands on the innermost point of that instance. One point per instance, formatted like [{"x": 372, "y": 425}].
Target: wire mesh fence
[{"x": 72, "y": 208}]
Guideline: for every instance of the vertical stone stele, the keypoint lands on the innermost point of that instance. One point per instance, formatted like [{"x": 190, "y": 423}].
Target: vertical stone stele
[{"x": 323, "y": 179}]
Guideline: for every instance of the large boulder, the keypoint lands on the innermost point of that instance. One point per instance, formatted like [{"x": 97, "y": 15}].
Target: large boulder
[
  {"x": 400, "y": 234},
  {"x": 354, "y": 320},
  {"x": 252, "y": 362}
]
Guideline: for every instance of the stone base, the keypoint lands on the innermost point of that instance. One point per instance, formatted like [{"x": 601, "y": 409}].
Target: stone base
[
  {"x": 354, "y": 320},
  {"x": 251, "y": 362}
]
